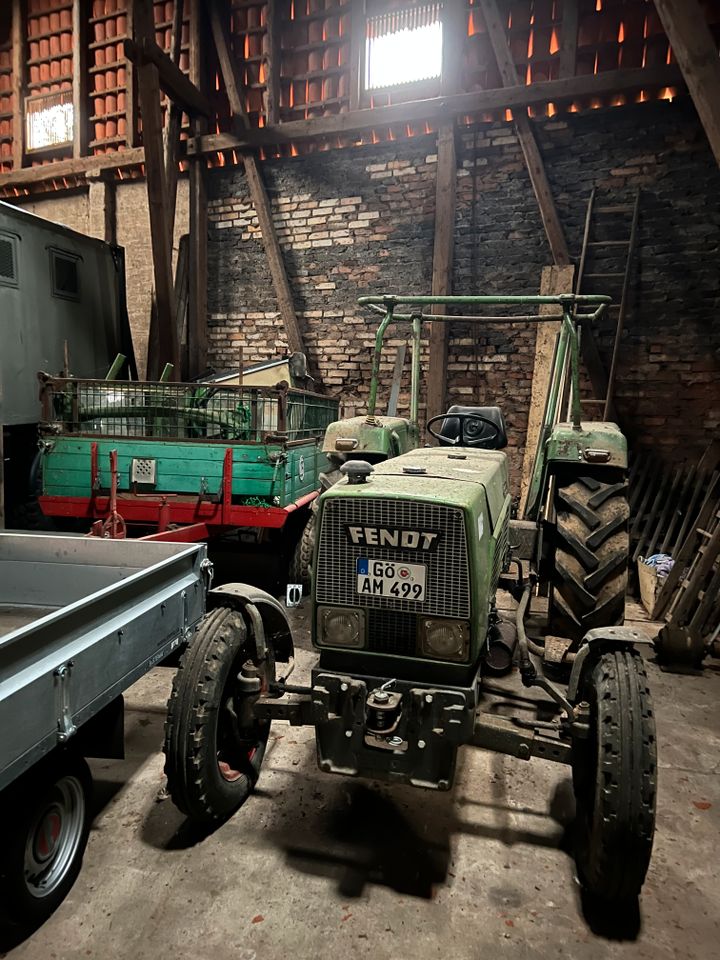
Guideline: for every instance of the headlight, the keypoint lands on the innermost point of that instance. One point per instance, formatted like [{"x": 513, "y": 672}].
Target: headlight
[
  {"x": 341, "y": 627},
  {"x": 444, "y": 639}
]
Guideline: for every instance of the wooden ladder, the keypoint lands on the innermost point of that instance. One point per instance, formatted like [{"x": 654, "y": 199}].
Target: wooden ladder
[{"x": 603, "y": 383}]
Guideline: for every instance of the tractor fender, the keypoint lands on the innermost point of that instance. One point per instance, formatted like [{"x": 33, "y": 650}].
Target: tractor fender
[
  {"x": 266, "y": 614},
  {"x": 595, "y": 642}
]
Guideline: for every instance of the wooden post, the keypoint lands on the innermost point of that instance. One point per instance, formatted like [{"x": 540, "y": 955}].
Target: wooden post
[
  {"x": 358, "y": 19},
  {"x": 273, "y": 26},
  {"x": 528, "y": 144},
  {"x": 554, "y": 280},
  {"x": 101, "y": 208},
  {"x": 18, "y": 81},
  {"x": 258, "y": 194},
  {"x": 443, "y": 249},
  {"x": 197, "y": 240},
  {"x": 171, "y": 134},
  {"x": 696, "y": 52},
  {"x": 131, "y": 111},
  {"x": 80, "y": 77},
  {"x": 568, "y": 38},
  {"x": 162, "y": 348}
]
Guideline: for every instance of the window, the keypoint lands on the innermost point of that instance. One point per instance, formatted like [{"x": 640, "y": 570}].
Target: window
[
  {"x": 65, "y": 280},
  {"x": 8, "y": 261},
  {"x": 49, "y": 120},
  {"x": 403, "y": 46}
]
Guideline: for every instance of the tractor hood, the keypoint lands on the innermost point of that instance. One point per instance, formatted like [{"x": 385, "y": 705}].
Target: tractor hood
[{"x": 437, "y": 474}]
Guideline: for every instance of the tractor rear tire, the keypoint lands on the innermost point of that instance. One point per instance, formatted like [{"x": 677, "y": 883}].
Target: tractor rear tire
[
  {"x": 212, "y": 761},
  {"x": 591, "y": 556},
  {"x": 615, "y": 778},
  {"x": 302, "y": 558}
]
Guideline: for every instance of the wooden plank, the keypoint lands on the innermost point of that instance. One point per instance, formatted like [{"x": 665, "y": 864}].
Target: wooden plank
[
  {"x": 443, "y": 251},
  {"x": 553, "y": 280},
  {"x": 18, "y": 81},
  {"x": 162, "y": 345},
  {"x": 455, "y": 24},
  {"x": 695, "y": 50},
  {"x": 443, "y": 108},
  {"x": 80, "y": 14},
  {"x": 274, "y": 23},
  {"x": 171, "y": 78},
  {"x": 568, "y": 38},
  {"x": 258, "y": 194},
  {"x": 101, "y": 209},
  {"x": 526, "y": 136}
]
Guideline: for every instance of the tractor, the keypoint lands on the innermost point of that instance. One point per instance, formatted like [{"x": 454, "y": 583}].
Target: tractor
[{"x": 409, "y": 556}]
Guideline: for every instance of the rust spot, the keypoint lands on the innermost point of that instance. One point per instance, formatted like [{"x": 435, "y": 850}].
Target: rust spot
[
  {"x": 258, "y": 919},
  {"x": 702, "y": 804}
]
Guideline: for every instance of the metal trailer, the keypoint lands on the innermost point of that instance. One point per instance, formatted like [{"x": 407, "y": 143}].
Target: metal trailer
[
  {"x": 81, "y": 619},
  {"x": 63, "y": 309}
]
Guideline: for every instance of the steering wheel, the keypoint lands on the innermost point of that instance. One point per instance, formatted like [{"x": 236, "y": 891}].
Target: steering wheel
[{"x": 470, "y": 436}]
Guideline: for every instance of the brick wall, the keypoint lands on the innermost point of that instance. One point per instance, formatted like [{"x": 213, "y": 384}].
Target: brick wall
[{"x": 360, "y": 221}]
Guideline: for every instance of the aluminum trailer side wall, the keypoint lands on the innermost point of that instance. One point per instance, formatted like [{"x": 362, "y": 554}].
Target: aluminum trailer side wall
[{"x": 121, "y": 607}]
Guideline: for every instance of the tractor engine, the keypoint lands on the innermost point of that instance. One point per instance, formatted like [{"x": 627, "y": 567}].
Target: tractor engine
[{"x": 408, "y": 559}]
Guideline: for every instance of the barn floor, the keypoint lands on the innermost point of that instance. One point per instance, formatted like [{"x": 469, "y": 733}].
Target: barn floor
[{"x": 315, "y": 865}]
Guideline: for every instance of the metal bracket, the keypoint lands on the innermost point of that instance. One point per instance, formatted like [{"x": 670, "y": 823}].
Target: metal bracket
[{"x": 66, "y": 727}]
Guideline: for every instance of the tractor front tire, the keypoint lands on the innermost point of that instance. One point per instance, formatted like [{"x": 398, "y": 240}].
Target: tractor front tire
[
  {"x": 302, "y": 558},
  {"x": 212, "y": 756},
  {"x": 591, "y": 556},
  {"x": 615, "y": 778}
]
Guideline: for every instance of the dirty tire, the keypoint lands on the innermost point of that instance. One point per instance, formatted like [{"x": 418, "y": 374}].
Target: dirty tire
[
  {"x": 591, "y": 556},
  {"x": 615, "y": 778},
  {"x": 302, "y": 558},
  {"x": 212, "y": 764}
]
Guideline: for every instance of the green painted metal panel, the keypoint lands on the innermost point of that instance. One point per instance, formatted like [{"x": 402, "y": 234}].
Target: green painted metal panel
[{"x": 268, "y": 470}]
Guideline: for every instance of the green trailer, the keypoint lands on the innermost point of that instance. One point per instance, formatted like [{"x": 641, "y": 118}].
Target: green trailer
[{"x": 184, "y": 461}]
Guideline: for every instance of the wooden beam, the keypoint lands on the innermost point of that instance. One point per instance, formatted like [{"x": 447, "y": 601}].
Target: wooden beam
[
  {"x": 455, "y": 25},
  {"x": 568, "y": 38},
  {"x": 62, "y": 169},
  {"x": 101, "y": 209},
  {"x": 162, "y": 347},
  {"x": 358, "y": 20},
  {"x": 258, "y": 194},
  {"x": 131, "y": 86},
  {"x": 171, "y": 78},
  {"x": 197, "y": 200},
  {"x": 80, "y": 16},
  {"x": 171, "y": 133},
  {"x": 443, "y": 251},
  {"x": 442, "y": 108},
  {"x": 273, "y": 25},
  {"x": 695, "y": 50},
  {"x": 18, "y": 81},
  {"x": 526, "y": 136}
]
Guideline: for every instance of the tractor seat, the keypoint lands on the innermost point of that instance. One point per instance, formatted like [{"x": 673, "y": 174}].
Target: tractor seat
[{"x": 476, "y": 434}]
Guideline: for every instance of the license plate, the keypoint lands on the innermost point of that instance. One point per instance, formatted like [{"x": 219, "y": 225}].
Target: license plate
[{"x": 383, "y": 578}]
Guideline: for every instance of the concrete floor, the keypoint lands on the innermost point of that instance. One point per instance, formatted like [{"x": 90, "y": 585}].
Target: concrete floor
[{"x": 317, "y": 866}]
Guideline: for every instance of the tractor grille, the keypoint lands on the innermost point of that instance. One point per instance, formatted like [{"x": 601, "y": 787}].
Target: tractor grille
[{"x": 447, "y": 587}]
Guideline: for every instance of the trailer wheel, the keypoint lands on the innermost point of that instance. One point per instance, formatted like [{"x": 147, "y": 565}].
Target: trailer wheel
[
  {"x": 302, "y": 558},
  {"x": 46, "y": 823},
  {"x": 591, "y": 556},
  {"x": 214, "y": 748},
  {"x": 615, "y": 778}
]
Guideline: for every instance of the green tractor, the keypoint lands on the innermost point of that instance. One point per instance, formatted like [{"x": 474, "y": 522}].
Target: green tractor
[{"x": 409, "y": 556}]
